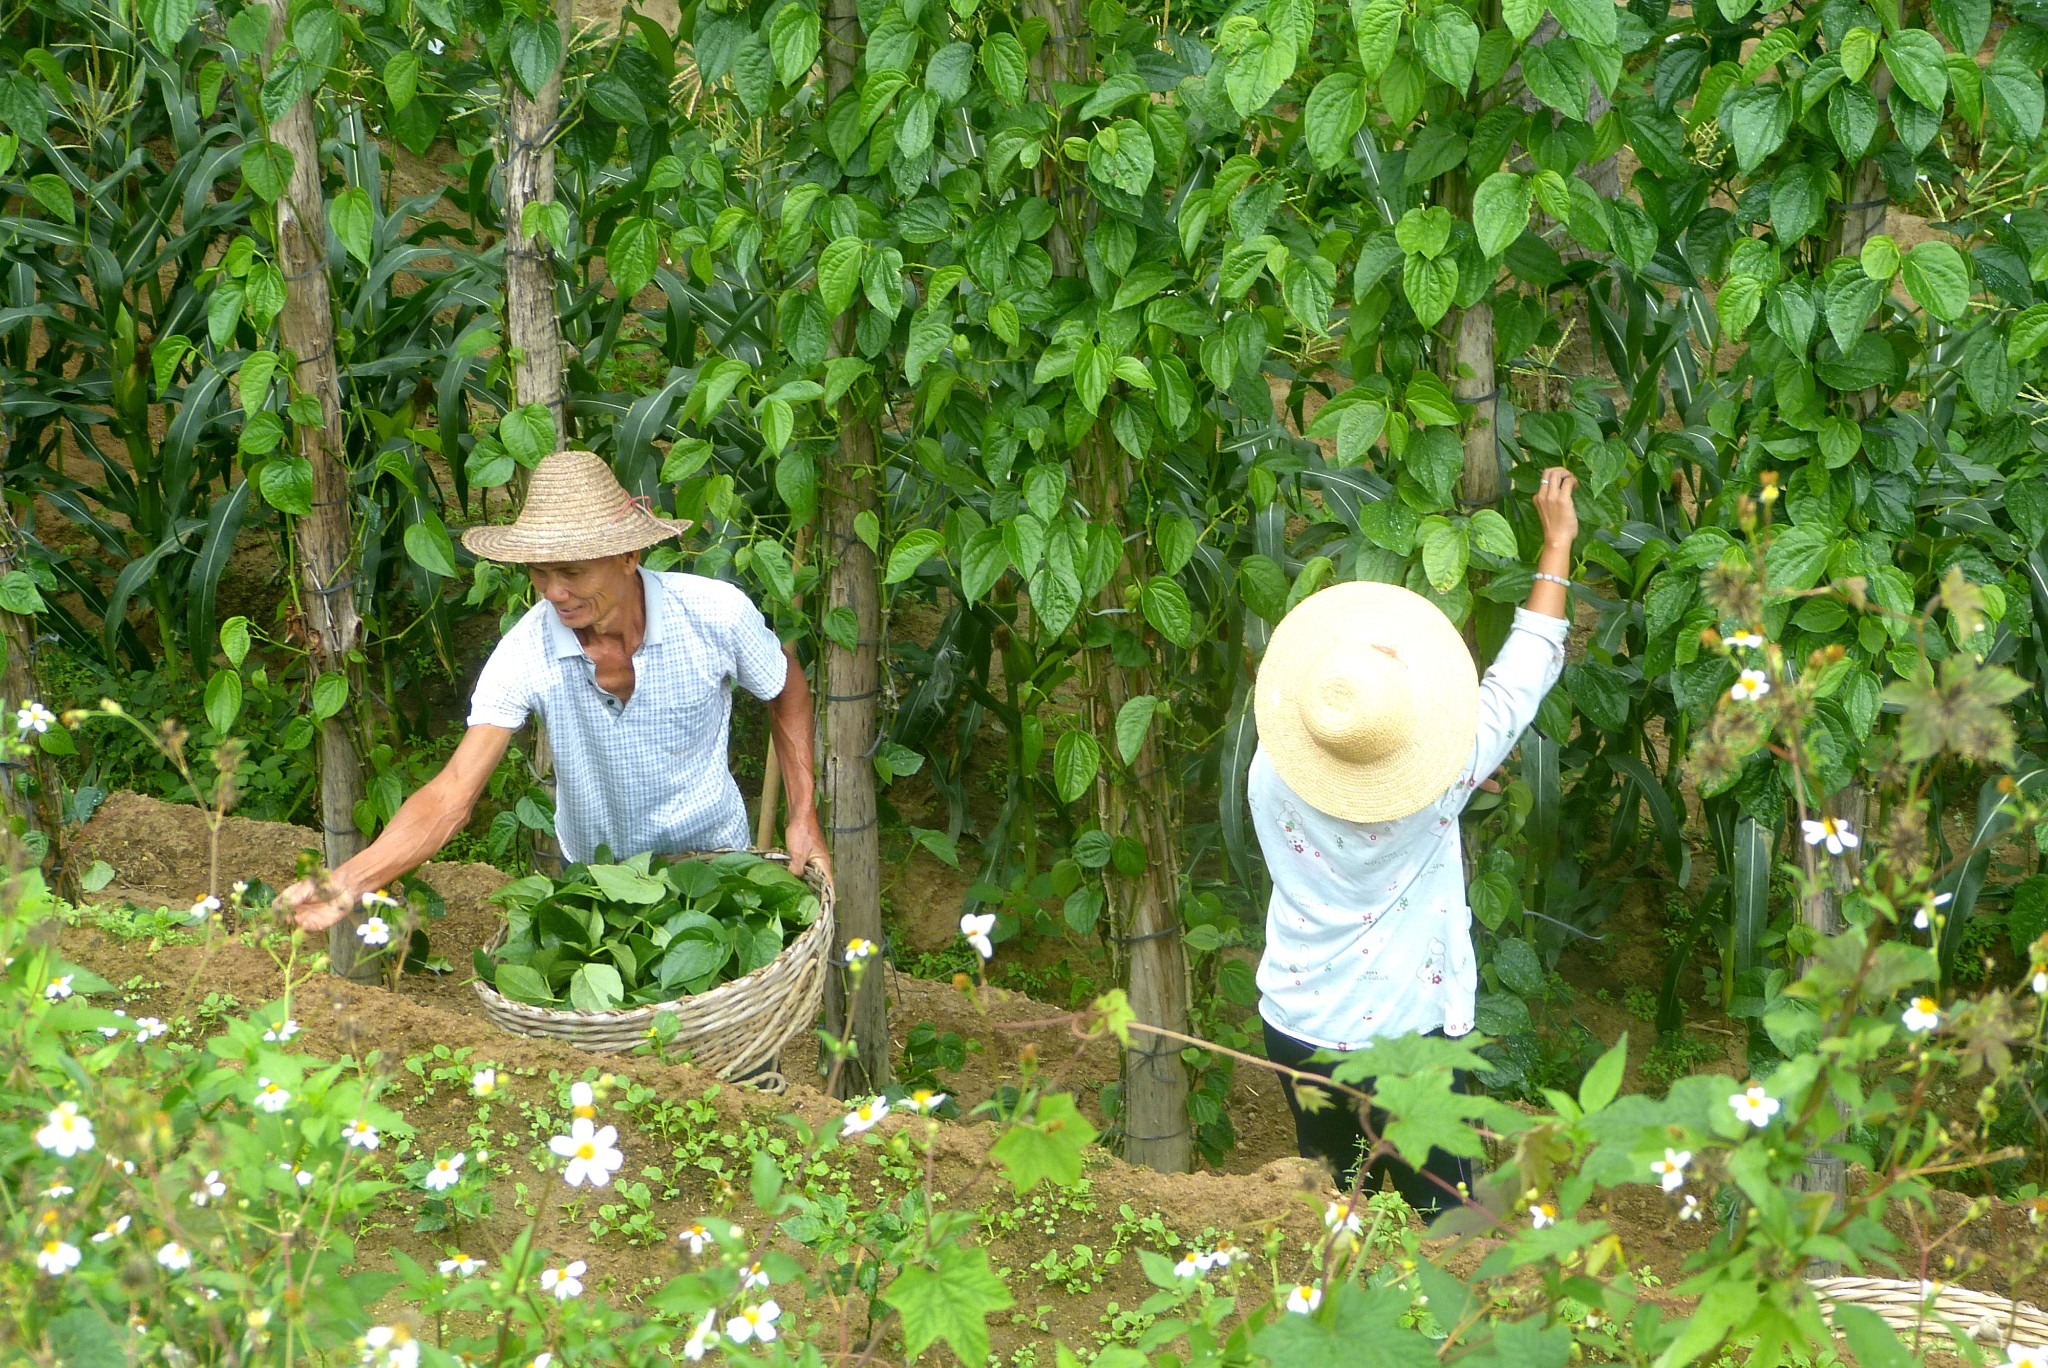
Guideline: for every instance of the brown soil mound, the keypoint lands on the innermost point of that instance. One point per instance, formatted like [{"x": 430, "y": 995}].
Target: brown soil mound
[{"x": 1070, "y": 1258}]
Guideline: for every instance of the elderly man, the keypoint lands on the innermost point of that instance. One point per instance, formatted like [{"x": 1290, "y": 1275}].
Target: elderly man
[{"x": 632, "y": 672}]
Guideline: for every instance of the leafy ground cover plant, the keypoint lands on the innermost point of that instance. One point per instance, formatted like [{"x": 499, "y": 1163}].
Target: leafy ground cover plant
[{"x": 602, "y": 936}]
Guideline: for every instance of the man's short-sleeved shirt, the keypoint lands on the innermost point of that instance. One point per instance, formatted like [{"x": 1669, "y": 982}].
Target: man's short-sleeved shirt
[{"x": 648, "y": 774}]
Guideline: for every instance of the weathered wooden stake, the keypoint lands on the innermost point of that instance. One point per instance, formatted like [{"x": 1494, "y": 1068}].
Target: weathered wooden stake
[
  {"x": 853, "y": 678},
  {"x": 533, "y": 328},
  {"x": 1145, "y": 909},
  {"x": 326, "y": 537}
]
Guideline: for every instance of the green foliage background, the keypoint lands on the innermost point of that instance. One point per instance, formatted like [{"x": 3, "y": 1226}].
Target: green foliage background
[{"x": 1161, "y": 319}]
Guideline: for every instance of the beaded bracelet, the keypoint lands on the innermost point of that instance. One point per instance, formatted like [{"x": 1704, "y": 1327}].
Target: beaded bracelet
[{"x": 1554, "y": 579}]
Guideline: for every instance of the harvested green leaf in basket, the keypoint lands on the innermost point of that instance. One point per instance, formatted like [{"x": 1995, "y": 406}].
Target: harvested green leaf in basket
[{"x": 605, "y": 936}]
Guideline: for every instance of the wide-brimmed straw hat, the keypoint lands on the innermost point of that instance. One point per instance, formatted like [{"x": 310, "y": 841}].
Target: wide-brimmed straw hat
[
  {"x": 575, "y": 510},
  {"x": 1367, "y": 702}
]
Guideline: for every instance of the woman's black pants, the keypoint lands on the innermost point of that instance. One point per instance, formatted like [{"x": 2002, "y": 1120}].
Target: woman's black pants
[{"x": 1336, "y": 1136}]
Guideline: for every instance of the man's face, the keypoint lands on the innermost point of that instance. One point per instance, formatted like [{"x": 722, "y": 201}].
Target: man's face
[{"x": 587, "y": 594}]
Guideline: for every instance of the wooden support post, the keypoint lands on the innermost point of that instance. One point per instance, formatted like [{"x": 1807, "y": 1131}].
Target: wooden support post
[
  {"x": 852, "y": 678},
  {"x": 533, "y": 327},
  {"x": 326, "y": 564}
]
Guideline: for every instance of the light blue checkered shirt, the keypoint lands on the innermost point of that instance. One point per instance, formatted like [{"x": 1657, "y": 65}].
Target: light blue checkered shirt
[{"x": 649, "y": 774}]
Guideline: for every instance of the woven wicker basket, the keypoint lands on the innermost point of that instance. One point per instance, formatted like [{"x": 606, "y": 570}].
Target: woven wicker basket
[
  {"x": 735, "y": 1030},
  {"x": 1908, "y": 1306}
]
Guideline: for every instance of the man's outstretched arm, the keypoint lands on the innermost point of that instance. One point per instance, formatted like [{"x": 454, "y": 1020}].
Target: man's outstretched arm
[
  {"x": 415, "y": 835},
  {"x": 790, "y": 719}
]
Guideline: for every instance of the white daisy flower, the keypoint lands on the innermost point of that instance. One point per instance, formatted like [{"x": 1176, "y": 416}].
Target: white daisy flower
[
  {"x": 58, "y": 988},
  {"x": 858, "y": 949},
  {"x": 360, "y": 1134},
  {"x": 461, "y": 1264},
  {"x": 210, "y": 1188},
  {"x": 109, "y": 1032},
  {"x": 148, "y": 1029},
  {"x": 1304, "y": 1299},
  {"x": 203, "y": 906},
  {"x": 115, "y": 1229},
  {"x": 375, "y": 931},
  {"x": 57, "y": 1257},
  {"x": 754, "y": 1323},
  {"x": 1924, "y": 918},
  {"x": 582, "y": 1099},
  {"x": 445, "y": 1174},
  {"x": 703, "y": 1337},
  {"x": 593, "y": 1154},
  {"x": 976, "y": 926},
  {"x": 437, "y": 47},
  {"x": 1670, "y": 1170},
  {"x": 1188, "y": 1267},
  {"x": 565, "y": 1282},
  {"x": 1754, "y": 1105},
  {"x": 1222, "y": 1256},
  {"x": 697, "y": 1238},
  {"x": 483, "y": 1082},
  {"x": 1832, "y": 832},
  {"x": 1542, "y": 1214},
  {"x": 175, "y": 1257},
  {"x": 1749, "y": 686},
  {"x": 57, "y": 1192},
  {"x": 753, "y": 1278},
  {"x": 381, "y": 898},
  {"x": 33, "y": 717},
  {"x": 298, "y": 1175},
  {"x": 1340, "y": 1218},
  {"x": 391, "y": 1346},
  {"x": 925, "y": 1100},
  {"x": 270, "y": 1097},
  {"x": 2041, "y": 980},
  {"x": 864, "y": 1117},
  {"x": 67, "y": 1133},
  {"x": 1748, "y": 641},
  {"x": 1692, "y": 1211},
  {"x": 280, "y": 1034},
  {"x": 2022, "y": 1356},
  {"x": 1923, "y": 1015}
]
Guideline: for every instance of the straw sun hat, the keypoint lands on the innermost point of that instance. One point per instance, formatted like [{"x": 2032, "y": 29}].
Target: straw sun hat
[
  {"x": 575, "y": 510},
  {"x": 1367, "y": 702}
]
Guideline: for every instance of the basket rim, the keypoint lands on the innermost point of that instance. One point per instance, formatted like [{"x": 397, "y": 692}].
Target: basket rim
[
  {"x": 820, "y": 881},
  {"x": 1924, "y": 1302}
]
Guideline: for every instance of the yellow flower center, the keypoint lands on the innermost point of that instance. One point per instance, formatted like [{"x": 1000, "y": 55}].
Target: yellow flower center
[
  {"x": 587, "y": 1113},
  {"x": 586, "y": 1150}
]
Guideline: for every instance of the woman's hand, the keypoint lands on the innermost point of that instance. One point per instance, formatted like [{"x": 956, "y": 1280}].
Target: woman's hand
[{"x": 1554, "y": 508}]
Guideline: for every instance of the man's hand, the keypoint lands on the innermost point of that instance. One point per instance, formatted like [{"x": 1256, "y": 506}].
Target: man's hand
[
  {"x": 806, "y": 844},
  {"x": 1554, "y": 507},
  {"x": 317, "y": 904}
]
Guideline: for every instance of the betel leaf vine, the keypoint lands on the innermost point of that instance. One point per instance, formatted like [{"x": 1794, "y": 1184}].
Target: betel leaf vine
[{"x": 1142, "y": 323}]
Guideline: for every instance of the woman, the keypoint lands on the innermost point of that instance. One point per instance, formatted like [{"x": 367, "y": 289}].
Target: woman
[{"x": 1374, "y": 730}]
